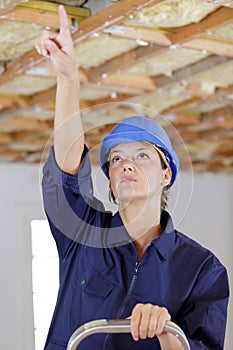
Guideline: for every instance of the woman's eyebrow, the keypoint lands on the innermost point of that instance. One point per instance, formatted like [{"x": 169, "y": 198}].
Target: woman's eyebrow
[
  {"x": 122, "y": 151},
  {"x": 116, "y": 151}
]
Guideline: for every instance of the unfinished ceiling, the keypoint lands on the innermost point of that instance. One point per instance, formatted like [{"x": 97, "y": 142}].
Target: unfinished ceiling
[{"x": 170, "y": 60}]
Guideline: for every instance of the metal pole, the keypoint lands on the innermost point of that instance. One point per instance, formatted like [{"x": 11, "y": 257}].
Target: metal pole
[{"x": 119, "y": 326}]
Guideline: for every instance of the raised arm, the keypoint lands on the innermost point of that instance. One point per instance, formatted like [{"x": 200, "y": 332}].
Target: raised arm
[{"x": 68, "y": 129}]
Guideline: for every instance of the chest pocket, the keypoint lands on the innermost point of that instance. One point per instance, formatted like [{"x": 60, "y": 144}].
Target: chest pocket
[{"x": 90, "y": 301}]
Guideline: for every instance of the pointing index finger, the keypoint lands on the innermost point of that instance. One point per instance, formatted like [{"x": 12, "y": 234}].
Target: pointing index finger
[{"x": 63, "y": 19}]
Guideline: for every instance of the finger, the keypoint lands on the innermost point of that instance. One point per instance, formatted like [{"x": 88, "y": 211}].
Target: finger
[
  {"x": 135, "y": 321},
  {"x": 40, "y": 42},
  {"x": 152, "y": 327},
  {"x": 52, "y": 49},
  {"x": 64, "y": 22},
  {"x": 162, "y": 317},
  {"x": 145, "y": 321}
]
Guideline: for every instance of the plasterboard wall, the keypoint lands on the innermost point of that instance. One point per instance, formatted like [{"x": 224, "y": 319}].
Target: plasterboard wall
[{"x": 207, "y": 218}]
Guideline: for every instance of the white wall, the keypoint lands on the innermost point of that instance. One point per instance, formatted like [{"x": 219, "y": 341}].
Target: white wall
[
  {"x": 208, "y": 218},
  {"x": 20, "y": 203}
]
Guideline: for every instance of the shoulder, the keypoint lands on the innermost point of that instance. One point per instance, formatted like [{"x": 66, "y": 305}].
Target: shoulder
[{"x": 196, "y": 253}]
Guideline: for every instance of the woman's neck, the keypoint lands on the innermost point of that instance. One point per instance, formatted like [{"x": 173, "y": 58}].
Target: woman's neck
[{"x": 142, "y": 222}]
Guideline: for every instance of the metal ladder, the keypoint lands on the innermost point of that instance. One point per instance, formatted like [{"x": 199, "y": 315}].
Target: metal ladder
[{"x": 118, "y": 326}]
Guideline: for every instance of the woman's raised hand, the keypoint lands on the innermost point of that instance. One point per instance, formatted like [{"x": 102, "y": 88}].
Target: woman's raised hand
[{"x": 58, "y": 47}]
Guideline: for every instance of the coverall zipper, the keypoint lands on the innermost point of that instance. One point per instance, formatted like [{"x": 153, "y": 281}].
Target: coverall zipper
[
  {"x": 129, "y": 292},
  {"x": 125, "y": 301}
]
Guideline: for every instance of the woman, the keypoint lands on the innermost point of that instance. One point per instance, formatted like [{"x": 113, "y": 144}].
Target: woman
[{"x": 134, "y": 263}]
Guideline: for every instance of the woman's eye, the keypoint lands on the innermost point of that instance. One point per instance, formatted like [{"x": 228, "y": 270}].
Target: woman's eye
[
  {"x": 143, "y": 156},
  {"x": 116, "y": 159}
]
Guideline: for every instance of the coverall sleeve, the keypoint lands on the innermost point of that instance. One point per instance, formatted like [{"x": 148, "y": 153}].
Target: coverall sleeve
[
  {"x": 69, "y": 203},
  {"x": 203, "y": 317}
]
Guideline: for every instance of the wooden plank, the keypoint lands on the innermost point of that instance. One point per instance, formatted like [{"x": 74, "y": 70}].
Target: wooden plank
[
  {"x": 185, "y": 73},
  {"x": 131, "y": 80},
  {"x": 154, "y": 36},
  {"x": 197, "y": 100},
  {"x": 5, "y": 138},
  {"x": 9, "y": 156},
  {"x": 118, "y": 98},
  {"x": 43, "y": 97},
  {"x": 18, "y": 123},
  {"x": 223, "y": 112},
  {"x": 14, "y": 100},
  {"x": 218, "y": 18},
  {"x": 7, "y": 101},
  {"x": 214, "y": 46},
  {"x": 187, "y": 118},
  {"x": 77, "y": 13},
  {"x": 28, "y": 15}
]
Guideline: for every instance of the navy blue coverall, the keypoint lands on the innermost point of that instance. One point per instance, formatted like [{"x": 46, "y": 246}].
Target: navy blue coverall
[{"x": 101, "y": 277}]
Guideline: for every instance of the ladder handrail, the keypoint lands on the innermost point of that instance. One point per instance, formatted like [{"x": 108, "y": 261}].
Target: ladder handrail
[{"x": 118, "y": 326}]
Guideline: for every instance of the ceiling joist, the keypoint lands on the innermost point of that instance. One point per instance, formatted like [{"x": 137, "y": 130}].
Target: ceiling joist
[{"x": 129, "y": 62}]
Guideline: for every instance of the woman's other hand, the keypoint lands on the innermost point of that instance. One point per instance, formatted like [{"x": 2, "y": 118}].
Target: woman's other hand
[{"x": 148, "y": 321}]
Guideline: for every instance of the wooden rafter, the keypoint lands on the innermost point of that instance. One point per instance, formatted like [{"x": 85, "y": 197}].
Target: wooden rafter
[
  {"x": 124, "y": 79},
  {"x": 210, "y": 45},
  {"x": 220, "y": 93},
  {"x": 220, "y": 17},
  {"x": 184, "y": 73},
  {"x": 28, "y": 15},
  {"x": 154, "y": 36},
  {"x": 132, "y": 80}
]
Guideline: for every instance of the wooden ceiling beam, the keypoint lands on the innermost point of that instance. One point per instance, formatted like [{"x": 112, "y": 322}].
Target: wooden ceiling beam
[
  {"x": 19, "y": 123},
  {"x": 75, "y": 12},
  {"x": 44, "y": 13},
  {"x": 219, "y": 94},
  {"x": 28, "y": 15},
  {"x": 131, "y": 80},
  {"x": 47, "y": 96},
  {"x": 13, "y": 100},
  {"x": 210, "y": 45},
  {"x": 7, "y": 101},
  {"x": 221, "y": 113},
  {"x": 105, "y": 100},
  {"x": 183, "y": 74},
  {"x": 158, "y": 37},
  {"x": 220, "y": 17}
]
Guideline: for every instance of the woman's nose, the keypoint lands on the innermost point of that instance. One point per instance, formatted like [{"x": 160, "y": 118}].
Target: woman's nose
[{"x": 128, "y": 166}]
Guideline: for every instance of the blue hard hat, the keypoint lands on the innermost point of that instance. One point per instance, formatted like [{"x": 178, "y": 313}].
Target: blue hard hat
[{"x": 139, "y": 129}]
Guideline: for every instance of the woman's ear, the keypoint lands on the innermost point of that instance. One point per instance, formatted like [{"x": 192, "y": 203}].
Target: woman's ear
[{"x": 167, "y": 177}]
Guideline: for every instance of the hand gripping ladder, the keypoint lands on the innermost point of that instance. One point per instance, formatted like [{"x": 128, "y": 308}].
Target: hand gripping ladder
[{"x": 118, "y": 326}]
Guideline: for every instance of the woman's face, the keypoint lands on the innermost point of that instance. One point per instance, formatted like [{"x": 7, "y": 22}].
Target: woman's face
[{"x": 135, "y": 172}]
